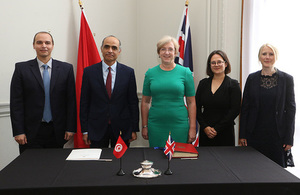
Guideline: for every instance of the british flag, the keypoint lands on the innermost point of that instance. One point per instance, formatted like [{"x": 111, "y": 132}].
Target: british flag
[
  {"x": 185, "y": 55},
  {"x": 170, "y": 147}
]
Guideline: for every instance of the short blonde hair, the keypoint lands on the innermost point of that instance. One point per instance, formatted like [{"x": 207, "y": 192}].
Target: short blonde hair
[
  {"x": 167, "y": 39},
  {"x": 274, "y": 49}
]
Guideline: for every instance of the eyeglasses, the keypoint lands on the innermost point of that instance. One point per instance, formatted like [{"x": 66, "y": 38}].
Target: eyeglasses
[
  {"x": 170, "y": 50},
  {"x": 219, "y": 62}
]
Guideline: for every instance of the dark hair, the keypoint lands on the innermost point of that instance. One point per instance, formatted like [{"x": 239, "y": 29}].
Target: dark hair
[
  {"x": 209, "y": 72},
  {"x": 45, "y": 33}
]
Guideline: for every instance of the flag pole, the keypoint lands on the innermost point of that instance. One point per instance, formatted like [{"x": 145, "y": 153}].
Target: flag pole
[
  {"x": 168, "y": 171},
  {"x": 80, "y": 4},
  {"x": 187, "y": 3},
  {"x": 121, "y": 172}
]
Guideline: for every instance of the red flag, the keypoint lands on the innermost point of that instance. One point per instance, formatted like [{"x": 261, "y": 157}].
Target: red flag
[
  {"x": 120, "y": 148},
  {"x": 87, "y": 55}
]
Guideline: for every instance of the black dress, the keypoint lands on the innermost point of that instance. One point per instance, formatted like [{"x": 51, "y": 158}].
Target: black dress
[
  {"x": 265, "y": 137},
  {"x": 218, "y": 110}
]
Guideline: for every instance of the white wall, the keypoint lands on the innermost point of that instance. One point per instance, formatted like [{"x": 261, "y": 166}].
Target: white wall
[{"x": 139, "y": 24}]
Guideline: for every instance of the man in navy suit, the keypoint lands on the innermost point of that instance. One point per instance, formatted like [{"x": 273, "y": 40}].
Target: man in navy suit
[
  {"x": 109, "y": 107},
  {"x": 31, "y": 127}
]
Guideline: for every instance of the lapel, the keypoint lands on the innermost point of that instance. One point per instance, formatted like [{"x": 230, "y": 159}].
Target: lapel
[
  {"x": 117, "y": 79},
  {"x": 54, "y": 74},
  {"x": 36, "y": 72},
  {"x": 99, "y": 71},
  {"x": 256, "y": 87},
  {"x": 281, "y": 83}
]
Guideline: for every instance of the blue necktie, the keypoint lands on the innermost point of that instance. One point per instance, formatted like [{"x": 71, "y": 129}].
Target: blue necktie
[{"x": 47, "y": 116}]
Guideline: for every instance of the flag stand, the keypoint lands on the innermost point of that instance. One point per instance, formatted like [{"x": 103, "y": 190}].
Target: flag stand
[
  {"x": 121, "y": 172},
  {"x": 119, "y": 150},
  {"x": 168, "y": 171},
  {"x": 169, "y": 150}
]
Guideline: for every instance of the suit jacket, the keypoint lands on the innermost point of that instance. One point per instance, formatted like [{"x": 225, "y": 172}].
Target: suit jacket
[
  {"x": 96, "y": 108},
  {"x": 285, "y": 106},
  {"x": 27, "y": 98}
]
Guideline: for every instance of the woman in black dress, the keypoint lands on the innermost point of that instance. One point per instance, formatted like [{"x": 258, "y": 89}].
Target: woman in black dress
[
  {"x": 268, "y": 109},
  {"x": 218, "y": 100}
]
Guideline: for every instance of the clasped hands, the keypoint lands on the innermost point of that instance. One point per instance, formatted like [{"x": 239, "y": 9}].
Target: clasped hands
[{"x": 210, "y": 132}]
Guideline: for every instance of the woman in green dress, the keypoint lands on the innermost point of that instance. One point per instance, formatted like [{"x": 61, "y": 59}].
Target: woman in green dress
[{"x": 163, "y": 108}]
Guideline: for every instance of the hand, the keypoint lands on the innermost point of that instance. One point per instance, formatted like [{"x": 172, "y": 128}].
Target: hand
[
  {"x": 192, "y": 135},
  {"x": 145, "y": 133},
  {"x": 287, "y": 147},
  {"x": 68, "y": 135},
  {"x": 85, "y": 139},
  {"x": 243, "y": 142},
  {"x": 133, "y": 137},
  {"x": 21, "y": 139},
  {"x": 210, "y": 132}
]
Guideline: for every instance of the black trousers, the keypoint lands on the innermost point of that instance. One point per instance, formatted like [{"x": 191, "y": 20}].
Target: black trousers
[
  {"x": 109, "y": 138},
  {"x": 44, "y": 139}
]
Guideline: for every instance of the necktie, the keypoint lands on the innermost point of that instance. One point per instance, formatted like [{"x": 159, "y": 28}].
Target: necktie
[
  {"x": 47, "y": 116},
  {"x": 108, "y": 82}
]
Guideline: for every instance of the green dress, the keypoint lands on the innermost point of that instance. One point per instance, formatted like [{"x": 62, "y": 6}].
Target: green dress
[{"x": 168, "y": 112}]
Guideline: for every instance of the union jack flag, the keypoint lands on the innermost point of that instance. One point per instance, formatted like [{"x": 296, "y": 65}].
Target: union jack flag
[
  {"x": 170, "y": 147},
  {"x": 185, "y": 54}
]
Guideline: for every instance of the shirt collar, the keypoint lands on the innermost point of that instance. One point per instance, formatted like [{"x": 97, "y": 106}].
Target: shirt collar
[
  {"x": 105, "y": 66},
  {"x": 49, "y": 63}
]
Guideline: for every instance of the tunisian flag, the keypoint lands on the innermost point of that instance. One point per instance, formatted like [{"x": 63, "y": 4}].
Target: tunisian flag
[
  {"x": 87, "y": 55},
  {"x": 120, "y": 148}
]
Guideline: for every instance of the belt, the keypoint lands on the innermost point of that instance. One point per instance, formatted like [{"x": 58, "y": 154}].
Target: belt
[{"x": 45, "y": 123}]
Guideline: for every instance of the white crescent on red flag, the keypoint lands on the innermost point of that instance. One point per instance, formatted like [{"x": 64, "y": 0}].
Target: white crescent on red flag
[{"x": 120, "y": 148}]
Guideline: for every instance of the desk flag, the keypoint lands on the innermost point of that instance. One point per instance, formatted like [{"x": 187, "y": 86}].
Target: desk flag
[
  {"x": 87, "y": 55},
  {"x": 170, "y": 147},
  {"x": 120, "y": 148}
]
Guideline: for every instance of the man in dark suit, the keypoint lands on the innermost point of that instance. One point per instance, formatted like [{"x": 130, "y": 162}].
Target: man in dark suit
[
  {"x": 42, "y": 99},
  {"x": 109, "y": 103}
]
